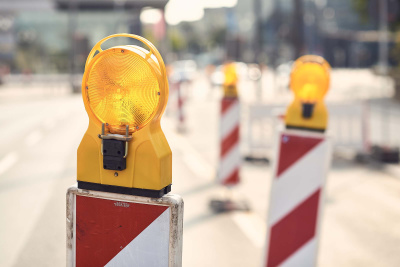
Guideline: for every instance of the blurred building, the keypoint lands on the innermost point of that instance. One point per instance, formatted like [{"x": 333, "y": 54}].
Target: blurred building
[
  {"x": 347, "y": 40},
  {"x": 55, "y": 36},
  {"x": 331, "y": 28}
]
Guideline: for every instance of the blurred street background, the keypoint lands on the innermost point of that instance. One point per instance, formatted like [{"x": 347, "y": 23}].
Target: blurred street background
[{"x": 43, "y": 49}]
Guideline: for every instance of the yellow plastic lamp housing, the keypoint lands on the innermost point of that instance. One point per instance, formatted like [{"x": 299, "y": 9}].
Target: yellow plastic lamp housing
[
  {"x": 309, "y": 81},
  {"x": 230, "y": 80},
  {"x": 125, "y": 86}
]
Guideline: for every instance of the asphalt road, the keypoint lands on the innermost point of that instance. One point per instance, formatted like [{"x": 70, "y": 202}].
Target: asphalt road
[{"x": 38, "y": 142}]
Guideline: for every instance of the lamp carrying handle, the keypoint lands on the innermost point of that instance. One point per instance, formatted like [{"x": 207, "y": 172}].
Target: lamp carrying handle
[{"x": 153, "y": 49}]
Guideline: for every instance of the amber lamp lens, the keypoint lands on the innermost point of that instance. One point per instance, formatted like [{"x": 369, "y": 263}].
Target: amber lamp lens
[
  {"x": 311, "y": 79},
  {"x": 122, "y": 89}
]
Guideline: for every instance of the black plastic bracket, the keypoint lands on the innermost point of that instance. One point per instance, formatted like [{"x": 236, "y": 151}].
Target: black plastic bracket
[
  {"x": 125, "y": 190},
  {"x": 308, "y": 109},
  {"x": 113, "y": 155}
]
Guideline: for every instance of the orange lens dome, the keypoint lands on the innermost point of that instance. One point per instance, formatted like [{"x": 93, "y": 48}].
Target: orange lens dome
[
  {"x": 310, "y": 71},
  {"x": 122, "y": 89}
]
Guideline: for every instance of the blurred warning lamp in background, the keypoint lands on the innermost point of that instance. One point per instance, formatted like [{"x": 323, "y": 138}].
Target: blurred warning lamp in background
[
  {"x": 230, "y": 80},
  {"x": 309, "y": 81},
  {"x": 125, "y": 91}
]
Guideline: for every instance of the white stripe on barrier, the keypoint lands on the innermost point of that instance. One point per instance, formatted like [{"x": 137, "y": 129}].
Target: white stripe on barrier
[
  {"x": 154, "y": 240},
  {"x": 229, "y": 163},
  {"x": 305, "y": 256},
  {"x": 291, "y": 188},
  {"x": 229, "y": 119},
  {"x": 148, "y": 234}
]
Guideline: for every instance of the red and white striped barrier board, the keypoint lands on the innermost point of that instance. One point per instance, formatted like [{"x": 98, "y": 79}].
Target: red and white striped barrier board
[
  {"x": 173, "y": 97},
  {"x": 230, "y": 158},
  {"x": 105, "y": 229},
  {"x": 296, "y": 201}
]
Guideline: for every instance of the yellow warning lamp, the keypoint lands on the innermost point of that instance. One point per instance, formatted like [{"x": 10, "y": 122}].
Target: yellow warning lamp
[
  {"x": 124, "y": 150},
  {"x": 309, "y": 81},
  {"x": 230, "y": 80}
]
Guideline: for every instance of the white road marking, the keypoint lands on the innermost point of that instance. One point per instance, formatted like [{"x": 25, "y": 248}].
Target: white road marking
[
  {"x": 8, "y": 161},
  {"x": 33, "y": 138},
  {"x": 252, "y": 226}
]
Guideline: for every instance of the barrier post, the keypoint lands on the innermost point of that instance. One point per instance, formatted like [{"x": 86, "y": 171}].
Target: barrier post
[
  {"x": 181, "y": 109},
  {"x": 302, "y": 160},
  {"x": 230, "y": 157},
  {"x": 121, "y": 212},
  {"x": 108, "y": 229}
]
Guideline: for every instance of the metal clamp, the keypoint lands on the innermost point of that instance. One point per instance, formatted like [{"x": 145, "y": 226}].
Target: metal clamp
[{"x": 126, "y": 138}]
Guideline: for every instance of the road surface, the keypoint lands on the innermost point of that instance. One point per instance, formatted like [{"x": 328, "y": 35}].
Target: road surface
[{"x": 38, "y": 141}]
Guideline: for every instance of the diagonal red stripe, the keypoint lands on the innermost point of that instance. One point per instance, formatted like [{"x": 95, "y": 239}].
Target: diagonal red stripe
[
  {"x": 233, "y": 178},
  {"x": 226, "y": 103},
  {"x": 293, "y": 231},
  {"x": 292, "y": 148},
  {"x": 229, "y": 141},
  {"x": 104, "y": 227}
]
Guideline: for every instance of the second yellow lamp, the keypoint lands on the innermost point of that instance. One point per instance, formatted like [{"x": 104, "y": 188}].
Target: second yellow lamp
[{"x": 309, "y": 81}]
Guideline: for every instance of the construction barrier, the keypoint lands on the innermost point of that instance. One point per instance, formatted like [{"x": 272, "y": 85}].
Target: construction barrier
[
  {"x": 107, "y": 229},
  {"x": 176, "y": 104},
  {"x": 181, "y": 103},
  {"x": 230, "y": 158},
  {"x": 120, "y": 213},
  {"x": 296, "y": 198},
  {"x": 348, "y": 126},
  {"x": 302, "y": 161},
  {"x": 259, "y": 124}
]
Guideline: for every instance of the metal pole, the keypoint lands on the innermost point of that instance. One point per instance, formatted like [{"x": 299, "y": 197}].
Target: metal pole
[
  {"x": 383, "y": 65},
  {"x": 119, "y": 7},
  {"x": 298, "y": 28},
  {"x": 258, "y": 45},
  {"x": 275, "y": 55},
  {"x": 72, "y": 22}
]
